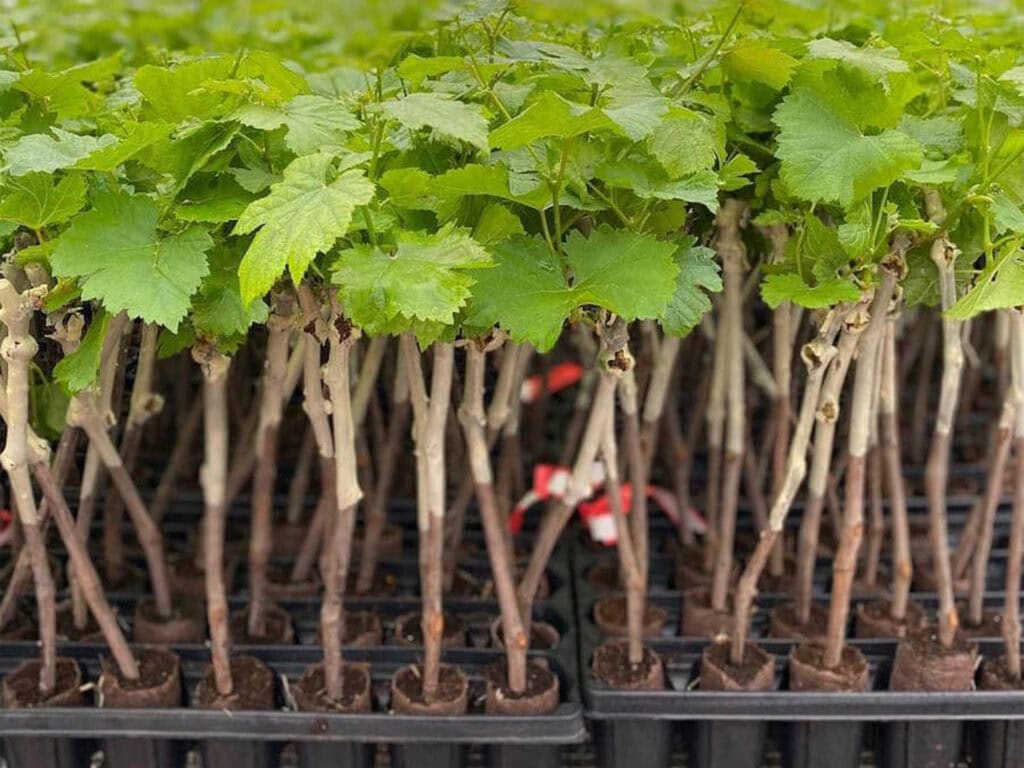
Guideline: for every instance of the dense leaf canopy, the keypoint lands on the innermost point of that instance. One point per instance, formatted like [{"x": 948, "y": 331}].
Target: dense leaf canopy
[{"x": 452, "y": 168}]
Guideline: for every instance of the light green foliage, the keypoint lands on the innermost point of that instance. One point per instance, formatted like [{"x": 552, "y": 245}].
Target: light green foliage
[
  {"x": 79, "y": 369},
  {"x": 304, "y": 214},
  {"x": 528, "y": 292},
  {"x": 827, "y": 156},
  {"x": 36, "y": 200},
  {"x": 43, "y": 152},
  {"x": 444, "y": 117},
  {"x": 427, "y": 278},
  {"x": 120, "y": 258}
]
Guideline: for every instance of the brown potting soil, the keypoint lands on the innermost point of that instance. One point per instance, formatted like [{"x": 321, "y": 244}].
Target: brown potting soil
[
  {"x": 253, "y": 687},
  {"x": 407, "y": 691},
  {"x": 756, "y": 672},
  {"x": 991, "y": 624},
  {"x": 873, "y": 620},
  {"x": 610, "y": 615},
  {"x": 539, "y": 698},
  {"x": 186, "y": 624},
  {"x": 783, "y": 623},
  {"x": 699, "y": 619},
  {"x": 611, "y": 665},
  {"x": 67, "y": 631},
  {"x": 158, "y": 684},
  {"x": 543, "y": 636},
  {"x": 995, "y": 676},
  {"x": 310, "y": 691},
  {"x": 807, "y": 670},
  {"x": 279, "y": 628},
  {"x": 21, "y": 687},
  {"x": 409, "y": 631}
]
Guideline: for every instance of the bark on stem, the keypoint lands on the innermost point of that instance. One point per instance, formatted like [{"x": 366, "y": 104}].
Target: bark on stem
[
  {"x": 84, "y": 412},
  {"x": 936, "y": 475},
  {"x": 892, "y": 463},
  {"x": 143, "y": 405},
  {"x": 271, "y": 404},
  {"x": 732, "y": 252},
  {"x": 474, "y": 424},
  {"x": 613, "y": 360},
  {"x": 629, "y": 561},
  {"x": 341, "y": 337},
  {"x": 1011, "y": 610},
  {"x": 376, "y": 512},
  {"x": 298, "y": 488},
  {"x": 183, "y": 444},
  {"x": 18, "y": 348},
  {"x": 213, "y": 477},
  {"x": 876, "y": 525},
  {"x": 429, "y": 418},
  {"x": 995, "y": 481},
  {"x": 817, "y": 356},
  {"x": 826, "y": 416},
  {"x": 715, "y": 416},
  {"x": 845, "y": 564}
]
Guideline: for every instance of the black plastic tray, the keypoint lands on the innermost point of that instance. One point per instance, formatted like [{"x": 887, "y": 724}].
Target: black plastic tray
[
  {"x": 252, "y": 738},
  {"x": 734, "y": 730}
]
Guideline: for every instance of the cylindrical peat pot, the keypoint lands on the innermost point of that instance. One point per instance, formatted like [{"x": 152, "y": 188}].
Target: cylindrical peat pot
[
  {"x": 158, "y": 687},
  {"x": 831, "y": 743},
  {"x": 732, "y": 743},
  {"x": 923, "y": 664},
  {"x": 628, "y": 741},
  {"x": 407, "y": 699},
  {"x": 20, "y": 689},
  {"x": 254, "y": 689},
  {"x": 356, "y": 698},
  {"x": 999, "y": 743},
  {"x": 541, "y": 697}
]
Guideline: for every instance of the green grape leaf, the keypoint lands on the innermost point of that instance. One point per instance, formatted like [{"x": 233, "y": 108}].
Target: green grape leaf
[
  {"x": 878, "y": 62},
  {"x": 121, "y": 259},
  {"x": 313, "y": 122},
  {"x": 527, "y": 292},
  {"x": 65, "y": 92},
  {"x": 108, "y": 158},
  {"x": 686, "y": 142},
  {"x": 496, "y": 223},
  {"x": 827, "y": 157},
  {"x": 942, "y": 134},
  {"x": 425, "y": 279},
  {"x": 789, "y": 286},
  {"x": 175, "y": 94},
  {"x": 549, "y": 116},
  {"x": 821, "y": 244},
  {"x": 48, "y": 404},
  {"x": 756, "y": 61},
  {"x": 212, "y": 198},
  {"x": 218, "y": 309},
  {"x": 1007, "y": 216},
  {"x": 443, "y": 115},
  {"x": 698, "y": 276},
  {"x": 45, "y": 153},
  {"x": 34, "y": 201},
  {"x": 304, "y": 214},
  {"x": 1000, "y": 285},
  {"x": 78, "y": 370}
]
